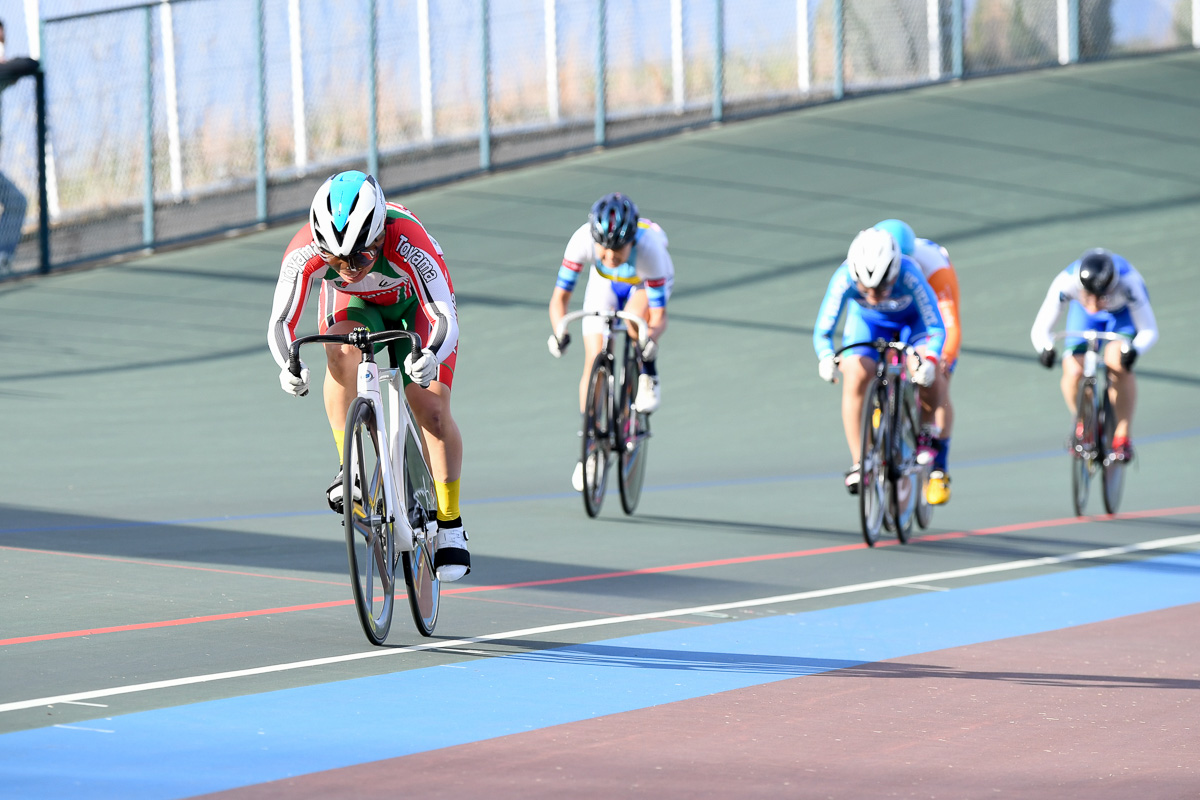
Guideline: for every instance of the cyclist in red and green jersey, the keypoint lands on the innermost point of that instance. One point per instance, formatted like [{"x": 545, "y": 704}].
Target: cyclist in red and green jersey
[{"x": 374, "y": 265}]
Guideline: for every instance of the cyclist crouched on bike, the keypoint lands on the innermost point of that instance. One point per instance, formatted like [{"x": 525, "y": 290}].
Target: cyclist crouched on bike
[
  {"x": 888, "y": 296},
  {"x": 629, "y": 269},
  {"x": 375, "y": 266},
  {"x": 938, "y": 420},
  {"x": 1105, "y": 293}
]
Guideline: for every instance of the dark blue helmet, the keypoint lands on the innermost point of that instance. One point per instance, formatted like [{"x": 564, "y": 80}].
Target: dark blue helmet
[
  {"x": 613, "y": 221},
  {"x": 1097, "y": 272}
]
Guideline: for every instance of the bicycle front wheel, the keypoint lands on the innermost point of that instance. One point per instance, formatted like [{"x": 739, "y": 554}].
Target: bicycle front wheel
[
  {"x": 633, "y": 436},
  {"x": 1083, "y": 446},
  {"x": 1113, "y": 484},
  {"x": 420, "y": 576},
  {"x": 370, "y": 533},
  {"x": 597, "y": 434},
  {"x": 872, "y": 487}
]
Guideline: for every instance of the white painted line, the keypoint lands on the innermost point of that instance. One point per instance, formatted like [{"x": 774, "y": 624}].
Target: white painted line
[
  {"x": 81, "y": 703},
  {"x": 81, "y": 728},
  {"x": 925, "y": 587},
  {"x": 383, "y": 652}
]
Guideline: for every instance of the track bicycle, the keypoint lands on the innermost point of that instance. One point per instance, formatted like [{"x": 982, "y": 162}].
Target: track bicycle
[
  {"x": 891, "y": 490},
  {"x": 389, "y": 503},
  {"x": 1090, "y": 443},
  {"x": 611, "y": 426}
]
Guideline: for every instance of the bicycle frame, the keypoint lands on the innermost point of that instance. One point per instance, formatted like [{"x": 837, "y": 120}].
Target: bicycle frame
[
  {"x": 369, "y": 386},
  {"x": 1092, "y": 452},
  {"x": 370, "y": 380},
  {"x": 376, "y": 522}
]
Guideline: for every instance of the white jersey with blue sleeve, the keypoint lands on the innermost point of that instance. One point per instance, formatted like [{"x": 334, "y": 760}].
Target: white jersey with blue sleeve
[
  {"x": 649, "y": 265},
  {"x": 912, "y": 303},
  {"x": 1128, "y": 296}
]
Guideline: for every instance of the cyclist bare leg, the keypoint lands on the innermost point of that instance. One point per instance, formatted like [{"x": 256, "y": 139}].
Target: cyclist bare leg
[
  {"x": 440, "y": 436},
  {"x": 656, "y": 324},
  {"x": 593, "y": 343},
  {"x": 857, "y": 372},
  {"x": 1072, "y": 374},
  {"x": 341, "y": 377},
  {"x": 1122, "y": 390}
]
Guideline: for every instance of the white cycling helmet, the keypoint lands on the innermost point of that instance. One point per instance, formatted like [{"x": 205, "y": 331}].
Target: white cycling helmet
[
  {"x": 347, "y": 213},
  {"x": 874, "y": 259}
]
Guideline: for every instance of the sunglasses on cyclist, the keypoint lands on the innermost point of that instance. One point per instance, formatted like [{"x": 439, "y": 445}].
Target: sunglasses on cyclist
[{"x": 359, "y": 259}]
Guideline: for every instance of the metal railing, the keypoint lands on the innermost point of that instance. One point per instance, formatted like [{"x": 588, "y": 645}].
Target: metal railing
[{"x": 178, "y": 119}]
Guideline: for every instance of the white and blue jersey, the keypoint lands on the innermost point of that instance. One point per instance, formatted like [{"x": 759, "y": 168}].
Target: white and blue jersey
[
  {"x": 649, "y": 268},
  {"x": 912, "y": 305},
  {"x": 1126, "y": 309}
]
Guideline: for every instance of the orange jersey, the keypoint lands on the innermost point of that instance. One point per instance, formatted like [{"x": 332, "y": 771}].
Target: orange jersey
[{"x": 935, "y": 263}]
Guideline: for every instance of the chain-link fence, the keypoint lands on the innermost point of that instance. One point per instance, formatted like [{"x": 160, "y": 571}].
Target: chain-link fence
[{"x": 187, "y": 118}]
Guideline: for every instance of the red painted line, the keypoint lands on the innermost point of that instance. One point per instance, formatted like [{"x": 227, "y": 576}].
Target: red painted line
[
  {"x": 1016, "y": 527},
  {"x": 142, "y": 563},
  {"x": 173, "y": 622}
]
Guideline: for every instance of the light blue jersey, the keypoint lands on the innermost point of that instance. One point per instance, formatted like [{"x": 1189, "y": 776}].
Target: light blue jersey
[{"x": 912, "y": 304}]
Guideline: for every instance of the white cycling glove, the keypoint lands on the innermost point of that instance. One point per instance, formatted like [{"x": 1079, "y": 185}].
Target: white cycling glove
[
  {"x": 827, "y": 369},
  {"x": 297, "y": 387},
  {"x": 422, "y": 370},
  {"x": 558, "y": 346},
  {"x": 650, "y": 351},
  {"x": 925, "y": 374}
]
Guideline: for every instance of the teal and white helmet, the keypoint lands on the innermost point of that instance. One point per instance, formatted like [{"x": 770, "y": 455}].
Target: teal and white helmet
[{"x": 347, "y": 214}]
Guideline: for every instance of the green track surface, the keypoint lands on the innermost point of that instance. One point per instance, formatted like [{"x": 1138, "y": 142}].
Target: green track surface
[{"x": 143, "y": 419}]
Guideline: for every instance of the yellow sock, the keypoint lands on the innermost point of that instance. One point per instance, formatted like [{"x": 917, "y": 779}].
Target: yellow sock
[
  {"x": 447, "y": 500},
  {"x": 339, "y": 438}
]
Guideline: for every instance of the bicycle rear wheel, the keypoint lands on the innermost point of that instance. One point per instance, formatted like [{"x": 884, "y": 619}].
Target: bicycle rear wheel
[
  {"x": 872, "y": 487},
  {"x": 420, "y": 577},
  {"x": 597, "y": 434},
  {"x": 1113, "y": 485},
  {"x": 633, "y": 435},
  {"x": 924, "y": 510},
  {"x": 903, "y": 472},
  {"x": 370, "y": 536},
  {"x": 1083, "y": 450}
]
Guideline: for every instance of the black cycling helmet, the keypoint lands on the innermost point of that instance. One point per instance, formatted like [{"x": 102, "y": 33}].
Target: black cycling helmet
[
  {"x": 1097, "y": 272},
  {"x": 613, "y": 221}
]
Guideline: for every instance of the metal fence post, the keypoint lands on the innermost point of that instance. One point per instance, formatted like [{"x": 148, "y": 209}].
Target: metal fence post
[
  {"x": 260, "y": 143},
  {"x": 485, "y": 109},
  {"x": 372, "y": 89},
  {"x": 296, "y": 63},
  {"x": 678, "y": 87},
  {"x": 171, "y": 98},
  {"x": 425, "y": 59},
  {"x": 601, "y": 68},
  {"x": 148, "y": 133},
  {"x": 39, "y": 95},
  {"x": 803, "y": 48},
  {"x": 1073, "y": 31},
  {"x": 718, "y": 106},
  {"x": 839, "y": 49},
  {"x": 550, "y": 17},
  {"x": 956, "y": 38},
  {"x": 933, "y": 35}
]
